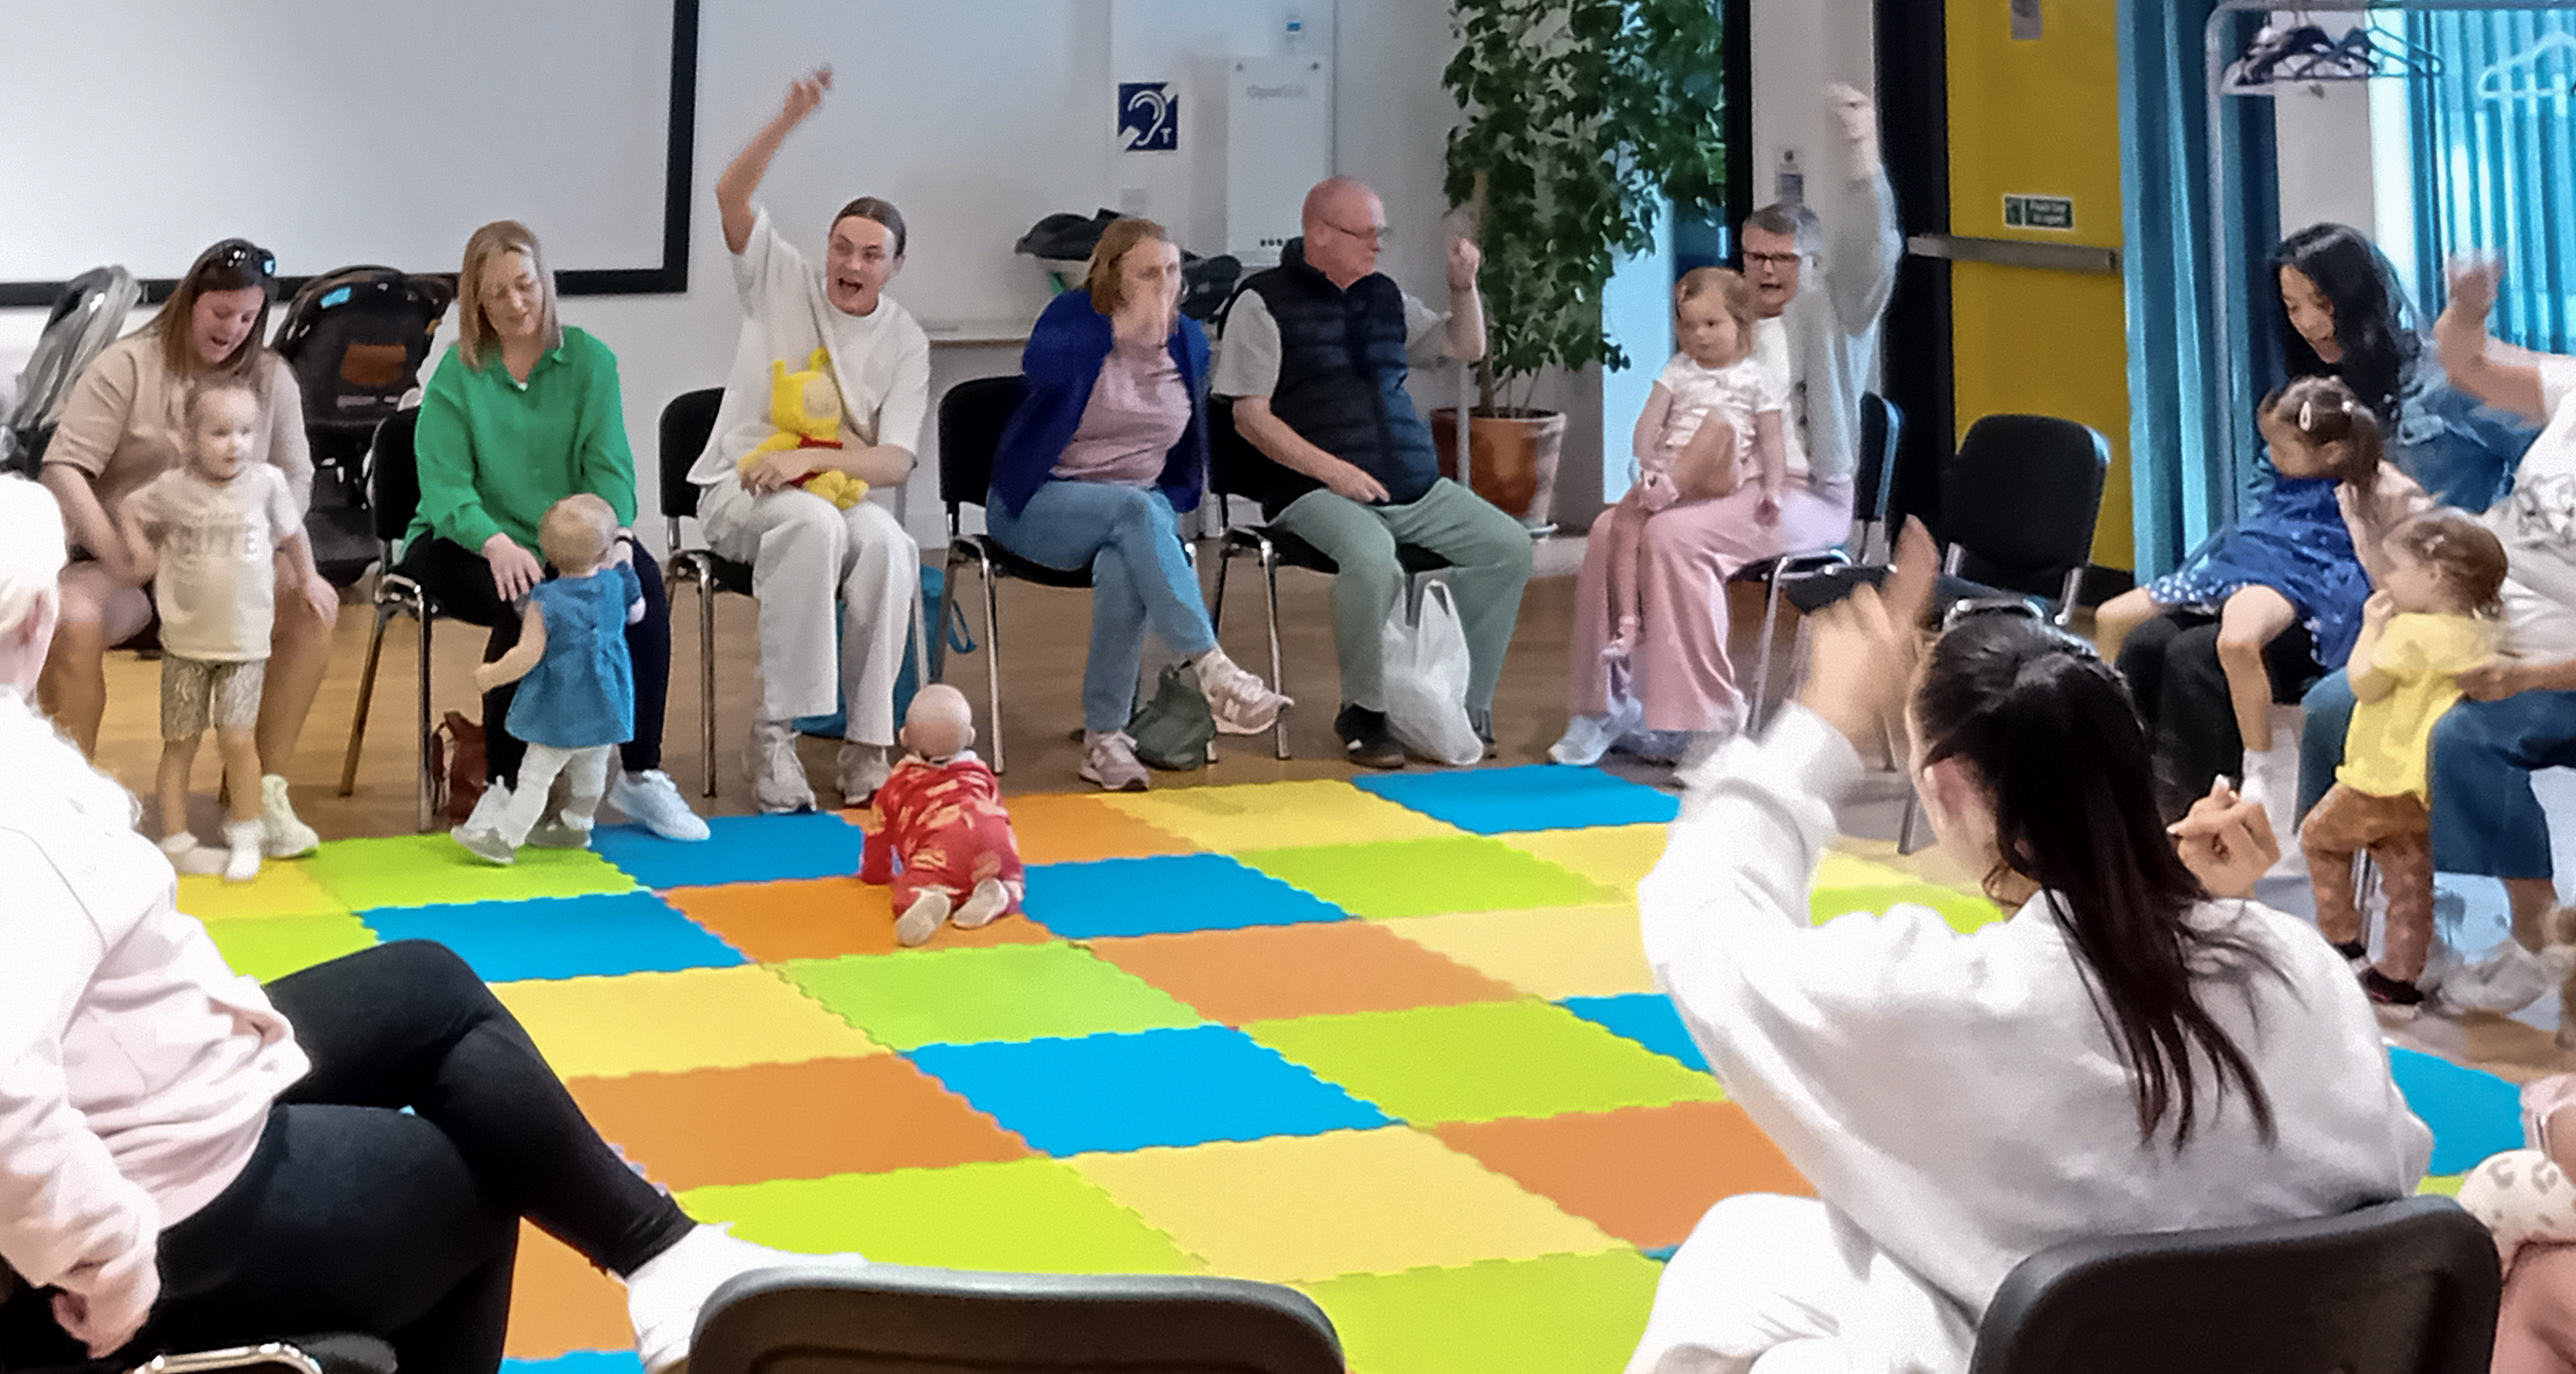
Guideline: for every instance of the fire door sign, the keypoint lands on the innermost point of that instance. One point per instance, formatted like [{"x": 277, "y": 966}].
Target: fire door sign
[{"x": 2040, "y": 212}]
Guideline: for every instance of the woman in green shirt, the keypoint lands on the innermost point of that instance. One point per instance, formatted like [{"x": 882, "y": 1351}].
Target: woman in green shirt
[{"x": 522, "y": 413}]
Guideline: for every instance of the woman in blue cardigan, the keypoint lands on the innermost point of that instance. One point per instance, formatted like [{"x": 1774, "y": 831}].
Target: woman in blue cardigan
[{"x": 1107, "y": 449}]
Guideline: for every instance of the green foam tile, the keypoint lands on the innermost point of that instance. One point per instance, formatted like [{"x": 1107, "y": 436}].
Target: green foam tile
[
  {"x": 2448, "y": 1185},
  {"x": 275, "y": 946},
  {"x": 1569, "y": 1312},
  {"x": 427, "y": 870},
  {"x": 1031, "y": 1215},
  {"x": 1428, "y": 877},
  {"x": 1965, "y": 911},
  {"x": 1005, "y": 992},
  {"x": 1484, "y": 1060}
]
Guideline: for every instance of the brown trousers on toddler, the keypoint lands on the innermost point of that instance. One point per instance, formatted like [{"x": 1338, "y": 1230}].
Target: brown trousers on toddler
[{"x": 2398, "y": 832}]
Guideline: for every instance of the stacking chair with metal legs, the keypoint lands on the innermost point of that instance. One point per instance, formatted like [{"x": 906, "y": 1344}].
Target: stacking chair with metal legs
[
  {"x": 1881, "y": 425},
  {"x": 393, "y": 495}
]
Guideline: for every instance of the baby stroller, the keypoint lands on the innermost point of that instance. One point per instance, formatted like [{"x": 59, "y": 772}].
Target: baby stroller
[
  {"x": 356, "y": 339},
  {"x": 86, "y": 318}
]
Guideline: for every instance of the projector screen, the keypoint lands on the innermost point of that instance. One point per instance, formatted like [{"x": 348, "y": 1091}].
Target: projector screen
[{"x": 335, "y": 132}]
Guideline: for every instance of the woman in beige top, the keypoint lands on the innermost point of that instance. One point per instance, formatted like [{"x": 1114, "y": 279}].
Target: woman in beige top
[{"x": 122, "y": 428}]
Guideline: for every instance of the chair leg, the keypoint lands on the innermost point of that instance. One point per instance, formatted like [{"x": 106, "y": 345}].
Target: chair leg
[
  {"x": 707, "y": 683},
  {"x": 1905, "y": 841},
  {"x": 1278, "y": 681},
  {"x": 428, "y": 733},
  {"x": 921, "y": 638},
  {"x": 1754, "y": 714},
  {"x": 1216, "y": 608},
  {"x": 366, "y": 698},
  {"x": 947, "y": 607},
  {"x": 993, "y": 655}
]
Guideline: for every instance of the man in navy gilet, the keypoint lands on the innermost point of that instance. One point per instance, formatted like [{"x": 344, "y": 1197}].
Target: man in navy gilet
[{"x": 1315, "y": 354}]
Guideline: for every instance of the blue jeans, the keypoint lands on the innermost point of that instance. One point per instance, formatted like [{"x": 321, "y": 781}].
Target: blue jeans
[
  {"x": 2485, "y": 819},
  {"x": 1131, "y": 541}
]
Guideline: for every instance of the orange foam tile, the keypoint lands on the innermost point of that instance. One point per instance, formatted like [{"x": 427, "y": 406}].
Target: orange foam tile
[
  {"x": 773, "y": 1121},
  {"x": 1070, "y": 828},
  {"x": 560, "y": 1304},
  {"x": 1643, "y": 1174},
  {"x": 821, "y": 918},
  {"x": 1264, "y": 973}
]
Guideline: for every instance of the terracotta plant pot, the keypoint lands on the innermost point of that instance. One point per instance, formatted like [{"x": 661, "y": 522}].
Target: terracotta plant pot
[{"x": 1513, "y": 456}]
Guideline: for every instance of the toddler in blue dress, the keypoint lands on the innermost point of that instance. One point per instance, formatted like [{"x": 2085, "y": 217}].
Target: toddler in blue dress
[
  {"x": 576, "y": 697},
  {"x": 2308, "y": 555}
]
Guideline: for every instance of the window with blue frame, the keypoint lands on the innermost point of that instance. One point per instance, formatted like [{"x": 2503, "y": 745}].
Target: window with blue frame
[{"x": 2494, "y": 153}]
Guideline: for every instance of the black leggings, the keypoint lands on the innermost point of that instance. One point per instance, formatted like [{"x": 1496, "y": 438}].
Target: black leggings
[
  {"x": 2171, "y": 663},
  {"x": 460, "y": 581},
  {"x": 357, "y": 1216}
]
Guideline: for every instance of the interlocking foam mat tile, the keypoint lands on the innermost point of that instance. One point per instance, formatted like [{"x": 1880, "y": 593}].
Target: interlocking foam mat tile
[{"x": 1395, "y": 1043}]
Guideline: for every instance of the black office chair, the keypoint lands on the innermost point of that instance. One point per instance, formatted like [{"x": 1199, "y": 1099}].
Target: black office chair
[
  {"x": 898, "y": 1319},
  {"x": 686, "y": 423},
  {"x": 1236, "y": 470},
  {"x": 2406, "y": 1287},
  {"x": 337, "y": 1353},
  {"x": 2019, "y": 502},
  {"x": 971, "y": 418},
  {"x": 1880, "y": 426},
  {"x": 393, "y": 496}
]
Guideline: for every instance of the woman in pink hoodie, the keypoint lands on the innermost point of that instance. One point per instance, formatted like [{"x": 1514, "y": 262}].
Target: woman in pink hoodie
[{"x": 189, "y": 1160}]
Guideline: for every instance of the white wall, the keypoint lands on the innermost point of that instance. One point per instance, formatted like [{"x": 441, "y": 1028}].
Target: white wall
[
  {"x": 1800, "y": 47},
  {"x": 1005, "y": 153}
]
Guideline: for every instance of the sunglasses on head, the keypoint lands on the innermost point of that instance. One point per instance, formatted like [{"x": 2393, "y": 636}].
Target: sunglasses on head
[
  {"x": 1975, "y": 606},
  {"x": 243, "y": 252}
]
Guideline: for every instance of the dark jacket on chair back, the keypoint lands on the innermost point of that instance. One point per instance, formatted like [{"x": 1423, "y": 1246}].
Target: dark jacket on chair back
[{"x": 1342, "y": 366}]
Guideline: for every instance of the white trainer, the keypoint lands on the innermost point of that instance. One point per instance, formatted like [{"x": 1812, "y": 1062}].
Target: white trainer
[
  {"x": 1109, "y": 760},
  {"x": 777, "y": 774},
  {"x": 666, "y": 1293},
  {"x": 864, "y": 769},
  {"x": 653, "y": 801},
  {"x": 1242, "y": 704}
]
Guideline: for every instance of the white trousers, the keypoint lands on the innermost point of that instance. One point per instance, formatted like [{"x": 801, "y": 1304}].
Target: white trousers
[
  {"x": 1785, "y": 1285},
  {"x": 585, "y": 775},
  {"x": 806, "y": 555}
]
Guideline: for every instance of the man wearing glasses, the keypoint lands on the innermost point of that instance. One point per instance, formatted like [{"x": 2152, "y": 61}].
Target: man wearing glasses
[{"x": 1315, "y": 354}]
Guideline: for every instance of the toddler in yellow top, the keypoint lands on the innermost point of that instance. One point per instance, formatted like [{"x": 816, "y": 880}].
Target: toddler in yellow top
[{"x": 2419, "y": 632}]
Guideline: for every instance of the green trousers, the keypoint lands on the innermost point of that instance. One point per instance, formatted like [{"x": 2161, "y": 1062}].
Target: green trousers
[{"x": 1489, "y": 557}]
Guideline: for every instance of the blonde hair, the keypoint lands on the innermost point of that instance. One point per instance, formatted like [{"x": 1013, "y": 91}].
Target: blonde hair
[
  {"x": 2461, "y": 551},
  {"x": 576, "y": 531},
  {"x": 476, "y": 338},
  {"x": 1108, "y": 289},
  {"x": 1734, "y": 293},
  {"x": 232, "y": 265},
  {"x": 209, "y": 385}
]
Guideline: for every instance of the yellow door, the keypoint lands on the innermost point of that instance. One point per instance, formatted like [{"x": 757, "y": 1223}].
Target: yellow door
[{"x": 2038, "y": 121}]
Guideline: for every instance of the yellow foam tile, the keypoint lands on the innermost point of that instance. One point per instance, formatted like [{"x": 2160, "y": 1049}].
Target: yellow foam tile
[
  {"x": 1613, "y": 855},
  {"x": 1552, "y": 952},
  {"x": 1276, "y": 814},
  {"x": 283, "y": 888},
  {"x": 1303, "y": 1208},
  {"x": 1850, "y": 870},
  {"x": 706, "y": 1018}
]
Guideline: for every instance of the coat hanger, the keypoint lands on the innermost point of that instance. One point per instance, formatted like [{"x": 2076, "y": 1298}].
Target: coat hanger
[{"x": 2518, "y": 77}]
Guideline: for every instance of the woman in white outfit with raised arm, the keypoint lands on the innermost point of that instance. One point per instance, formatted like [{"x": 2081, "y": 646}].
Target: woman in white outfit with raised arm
[{"x": 2135, "y": 1048}]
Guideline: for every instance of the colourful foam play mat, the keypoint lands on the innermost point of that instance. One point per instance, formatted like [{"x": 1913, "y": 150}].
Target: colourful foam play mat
[{"x": 1394, "y": 1044}]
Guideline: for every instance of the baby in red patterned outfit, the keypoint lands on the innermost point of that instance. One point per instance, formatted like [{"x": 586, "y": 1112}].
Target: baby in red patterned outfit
[{"x": 940, "y": 816}]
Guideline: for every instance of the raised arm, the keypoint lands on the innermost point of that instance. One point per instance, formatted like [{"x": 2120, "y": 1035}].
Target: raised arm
[
  {"x": 1861, "y": 251},
  {"x": 742, "y": 176},
  {"x": 1466, "y": 306},
  {"x": 2476, "y": 364}
]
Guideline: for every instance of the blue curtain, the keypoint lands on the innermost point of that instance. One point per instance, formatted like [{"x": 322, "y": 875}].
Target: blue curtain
[
  {"x": 2190, "y": 412},
  {"x": 2495, "y": 171}
]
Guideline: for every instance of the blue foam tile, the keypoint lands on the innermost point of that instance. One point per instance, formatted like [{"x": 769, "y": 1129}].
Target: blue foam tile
[
  {"x": 2473, "y": 1114},
  {"x": 1165, "y": 896},
  {"x": 1660, "y": 1254},
  {"x": 1645, "y": 1017},
  {"x": 1543, "y": 796},
  {"x": 560, "y": 937},
  {"x": 1131, "y": 1091},
  {"x": 579, "y": 1362},
  {"x": 742, "y": 849}
]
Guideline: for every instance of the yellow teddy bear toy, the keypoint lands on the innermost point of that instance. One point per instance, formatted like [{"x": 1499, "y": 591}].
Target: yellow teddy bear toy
[{"x": 806, "y": 408}]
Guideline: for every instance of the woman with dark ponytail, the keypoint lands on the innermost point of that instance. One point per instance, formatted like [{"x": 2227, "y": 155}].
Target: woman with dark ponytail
[{"x": 2136, "y": 1047}]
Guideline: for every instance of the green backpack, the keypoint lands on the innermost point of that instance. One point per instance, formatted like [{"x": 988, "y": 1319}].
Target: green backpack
[{"x": 1173, "y": 728}]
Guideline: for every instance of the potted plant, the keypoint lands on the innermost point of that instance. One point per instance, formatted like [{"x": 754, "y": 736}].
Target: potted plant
[{"x": 1583, "y": 118}]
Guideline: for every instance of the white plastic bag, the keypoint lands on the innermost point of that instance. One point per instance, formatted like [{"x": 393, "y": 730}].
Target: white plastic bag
[{"x": 1426, "y": 681}]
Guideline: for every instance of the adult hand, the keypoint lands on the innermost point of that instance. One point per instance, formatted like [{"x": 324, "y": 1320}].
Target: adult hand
[
  {"x": 2473, "y": 288},
  {"x": 621, "y": 549},
  {"x": 2493, "y": 680},
  {"x": 2226, "y": 841},
  {"x": 1348, "y": 481},
  {"x": 805, "y": 94},
  {"x": 1766, "y": 510},
  {"x": 514, "y": 569},
  {"x": 322, "y": 597},
  {"x": 114, "y": 1309},
  {"x": 778, "y": 469},
  {"x": 133, "y": 562},
  {"x": 1466, "y": 258},
  {"x": 1857, "y": 115},
  {"x": 1861, "y": 658}
]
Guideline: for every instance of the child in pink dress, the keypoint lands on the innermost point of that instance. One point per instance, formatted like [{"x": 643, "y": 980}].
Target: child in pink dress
[
  {"x": 941, "y": 817},
  {"x": 1713, "y": 413}
]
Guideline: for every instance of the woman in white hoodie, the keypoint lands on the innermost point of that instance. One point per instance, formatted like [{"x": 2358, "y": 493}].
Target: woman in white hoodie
[
  {"x": 189, "y": 1160},
  {"x": 2136, "y": 1048}
]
